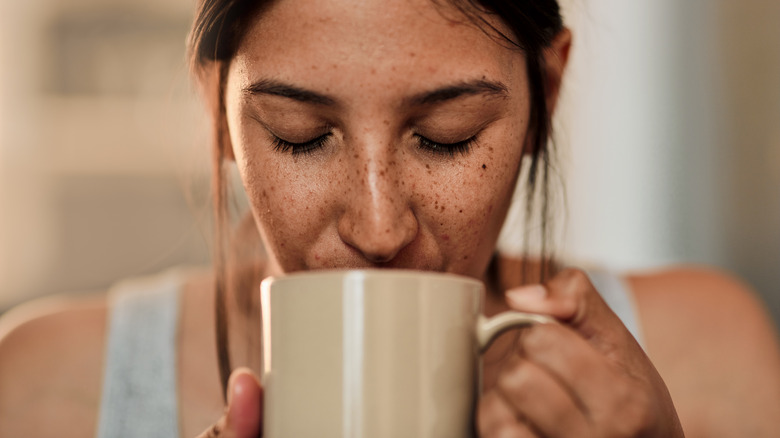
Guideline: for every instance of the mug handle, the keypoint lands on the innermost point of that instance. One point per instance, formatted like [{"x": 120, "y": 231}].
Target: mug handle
[{"x": 489, "y": 328}]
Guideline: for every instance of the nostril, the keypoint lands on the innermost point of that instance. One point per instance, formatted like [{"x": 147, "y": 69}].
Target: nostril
[
  {"x": 379, "y": 258},
  {"x": 378, "y": 239},
  {"x": 375, "y": 252}
]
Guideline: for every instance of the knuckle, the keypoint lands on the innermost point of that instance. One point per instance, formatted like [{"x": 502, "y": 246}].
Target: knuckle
[
  {"x": 492, "y": 414},
  {"x": 514, "y": 378},
  {"x": 575, "y": 276},
  {"x": 640, "y": 412},
  {"x": 539, "y": 338},
  {"x": 573, "y": 288},
  {"x": 634, "y": 406},
  {"x": 579, "y": 283}
]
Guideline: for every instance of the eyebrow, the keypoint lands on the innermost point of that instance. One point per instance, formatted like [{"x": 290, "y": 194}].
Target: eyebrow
[
  {"x": 439, "y": 95},
  {"x": 276, "y": 88},
  {"x": 461, "y": 89}
]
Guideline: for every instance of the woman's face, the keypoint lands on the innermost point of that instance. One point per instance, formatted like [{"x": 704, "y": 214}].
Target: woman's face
[{"x": 376, "y": 133}]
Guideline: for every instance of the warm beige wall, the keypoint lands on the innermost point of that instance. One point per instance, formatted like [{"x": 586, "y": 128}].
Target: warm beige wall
[{"x": 100, "y": 140}]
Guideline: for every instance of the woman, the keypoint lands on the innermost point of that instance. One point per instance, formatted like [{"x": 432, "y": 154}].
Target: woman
[{"x": 391, "y": 134}]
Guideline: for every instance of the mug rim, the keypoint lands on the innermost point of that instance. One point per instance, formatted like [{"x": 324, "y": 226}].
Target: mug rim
[{"x": 373, "y": 272}]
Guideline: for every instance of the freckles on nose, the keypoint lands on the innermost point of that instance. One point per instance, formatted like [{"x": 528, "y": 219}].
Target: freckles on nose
[{"x": 378, "y": 220}]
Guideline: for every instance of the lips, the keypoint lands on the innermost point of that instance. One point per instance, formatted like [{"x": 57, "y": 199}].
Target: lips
[{"x": 351, "y": 258}]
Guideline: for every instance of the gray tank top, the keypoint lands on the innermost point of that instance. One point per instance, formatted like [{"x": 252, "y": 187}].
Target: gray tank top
[
  {"x": 140, "y": 384},
  {"x": 139, "y": 381}
]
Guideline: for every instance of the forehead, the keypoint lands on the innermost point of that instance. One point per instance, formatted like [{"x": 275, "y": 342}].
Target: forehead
[{"x": 330, "y": 43}]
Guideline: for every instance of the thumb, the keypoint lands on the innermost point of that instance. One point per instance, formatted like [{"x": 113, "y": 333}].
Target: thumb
[
  {"x": 571, "y": 298},
  {"x": 244, "y": 417}
]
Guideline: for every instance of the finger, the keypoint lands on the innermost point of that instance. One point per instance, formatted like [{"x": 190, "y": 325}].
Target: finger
[
  {"x": 588, "y": 375},
  {"x": 571, "y": 298},
  {"x": 496, "y": 419},
  {"x": 542, "y": 400},
  {"x": 604, "y": 389},
  {"x": 243, "y": 415},
  {"x": 245, "y": 404}
]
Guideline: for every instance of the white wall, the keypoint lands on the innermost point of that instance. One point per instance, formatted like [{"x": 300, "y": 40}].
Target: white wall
[
  {"x": 672, "y": 136},
  {"x": 621, "y": 133},
  {"x": 99, "y": 133}
]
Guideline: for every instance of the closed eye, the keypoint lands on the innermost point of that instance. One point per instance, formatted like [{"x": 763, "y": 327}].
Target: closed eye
[
  {"x": 460, "y": 147},
  {"x": 428, "y": 145},
  {"x": 306, "y": 147}
]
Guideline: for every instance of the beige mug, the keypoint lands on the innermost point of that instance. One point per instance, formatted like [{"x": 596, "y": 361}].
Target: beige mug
[{"x": 374, "y": 353}]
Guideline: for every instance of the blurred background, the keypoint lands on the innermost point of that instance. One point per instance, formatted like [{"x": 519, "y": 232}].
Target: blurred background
[{"x": 668, "y": 137}]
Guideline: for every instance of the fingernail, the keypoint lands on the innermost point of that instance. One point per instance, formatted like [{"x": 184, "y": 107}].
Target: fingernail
[
  {"x": 527, "y": 294},
  {"x": 232, "y": 383}
]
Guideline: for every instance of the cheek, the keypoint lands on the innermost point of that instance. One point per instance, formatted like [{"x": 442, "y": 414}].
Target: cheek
[
  {"x": 290, "y": 211},
  {"x": 289, "y": 206},
  {"x": 465, "y": 212}
]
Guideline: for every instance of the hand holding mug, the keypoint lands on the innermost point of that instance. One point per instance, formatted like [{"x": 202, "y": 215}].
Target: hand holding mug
[
  {"x": 366, "y": 353},
  {"x": 587, "y": 377}
]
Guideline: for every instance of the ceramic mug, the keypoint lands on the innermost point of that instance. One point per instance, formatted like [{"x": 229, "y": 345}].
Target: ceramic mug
[{"x": 374, "y": 353}]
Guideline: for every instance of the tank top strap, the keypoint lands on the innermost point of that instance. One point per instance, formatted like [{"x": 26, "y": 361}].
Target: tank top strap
[
  {"x": 139, "y": 384},
  {"x": 620, "y": 299}
]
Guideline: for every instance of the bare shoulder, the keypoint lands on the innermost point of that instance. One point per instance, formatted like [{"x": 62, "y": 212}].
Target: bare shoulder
[
  {"x": 716, "y": 348},
  {"x": 706, "y": 302},
  {"x": 51, "y": 357}
]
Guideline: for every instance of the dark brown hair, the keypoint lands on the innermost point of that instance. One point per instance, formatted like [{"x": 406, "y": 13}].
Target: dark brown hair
[{"x": 217, "y": 31}]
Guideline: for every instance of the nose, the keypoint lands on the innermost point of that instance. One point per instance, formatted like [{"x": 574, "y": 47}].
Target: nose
[{"x": 378, "y": 220}]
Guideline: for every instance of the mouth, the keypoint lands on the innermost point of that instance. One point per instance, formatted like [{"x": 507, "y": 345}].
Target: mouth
[
  {"x": 355, "y": 260},
  {"x": 369, "y": 265}
]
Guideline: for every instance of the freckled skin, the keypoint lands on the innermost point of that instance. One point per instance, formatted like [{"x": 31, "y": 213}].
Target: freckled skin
[{"x": 372, "y": 196}]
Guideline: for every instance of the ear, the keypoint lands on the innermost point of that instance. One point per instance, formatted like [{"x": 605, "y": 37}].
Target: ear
[{"x": 555, "y": 58}]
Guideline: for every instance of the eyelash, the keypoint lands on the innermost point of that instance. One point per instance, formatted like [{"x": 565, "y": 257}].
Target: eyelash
[
  {"x": 460, "y": 147},
  {"x": 308, "y": 147}
]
